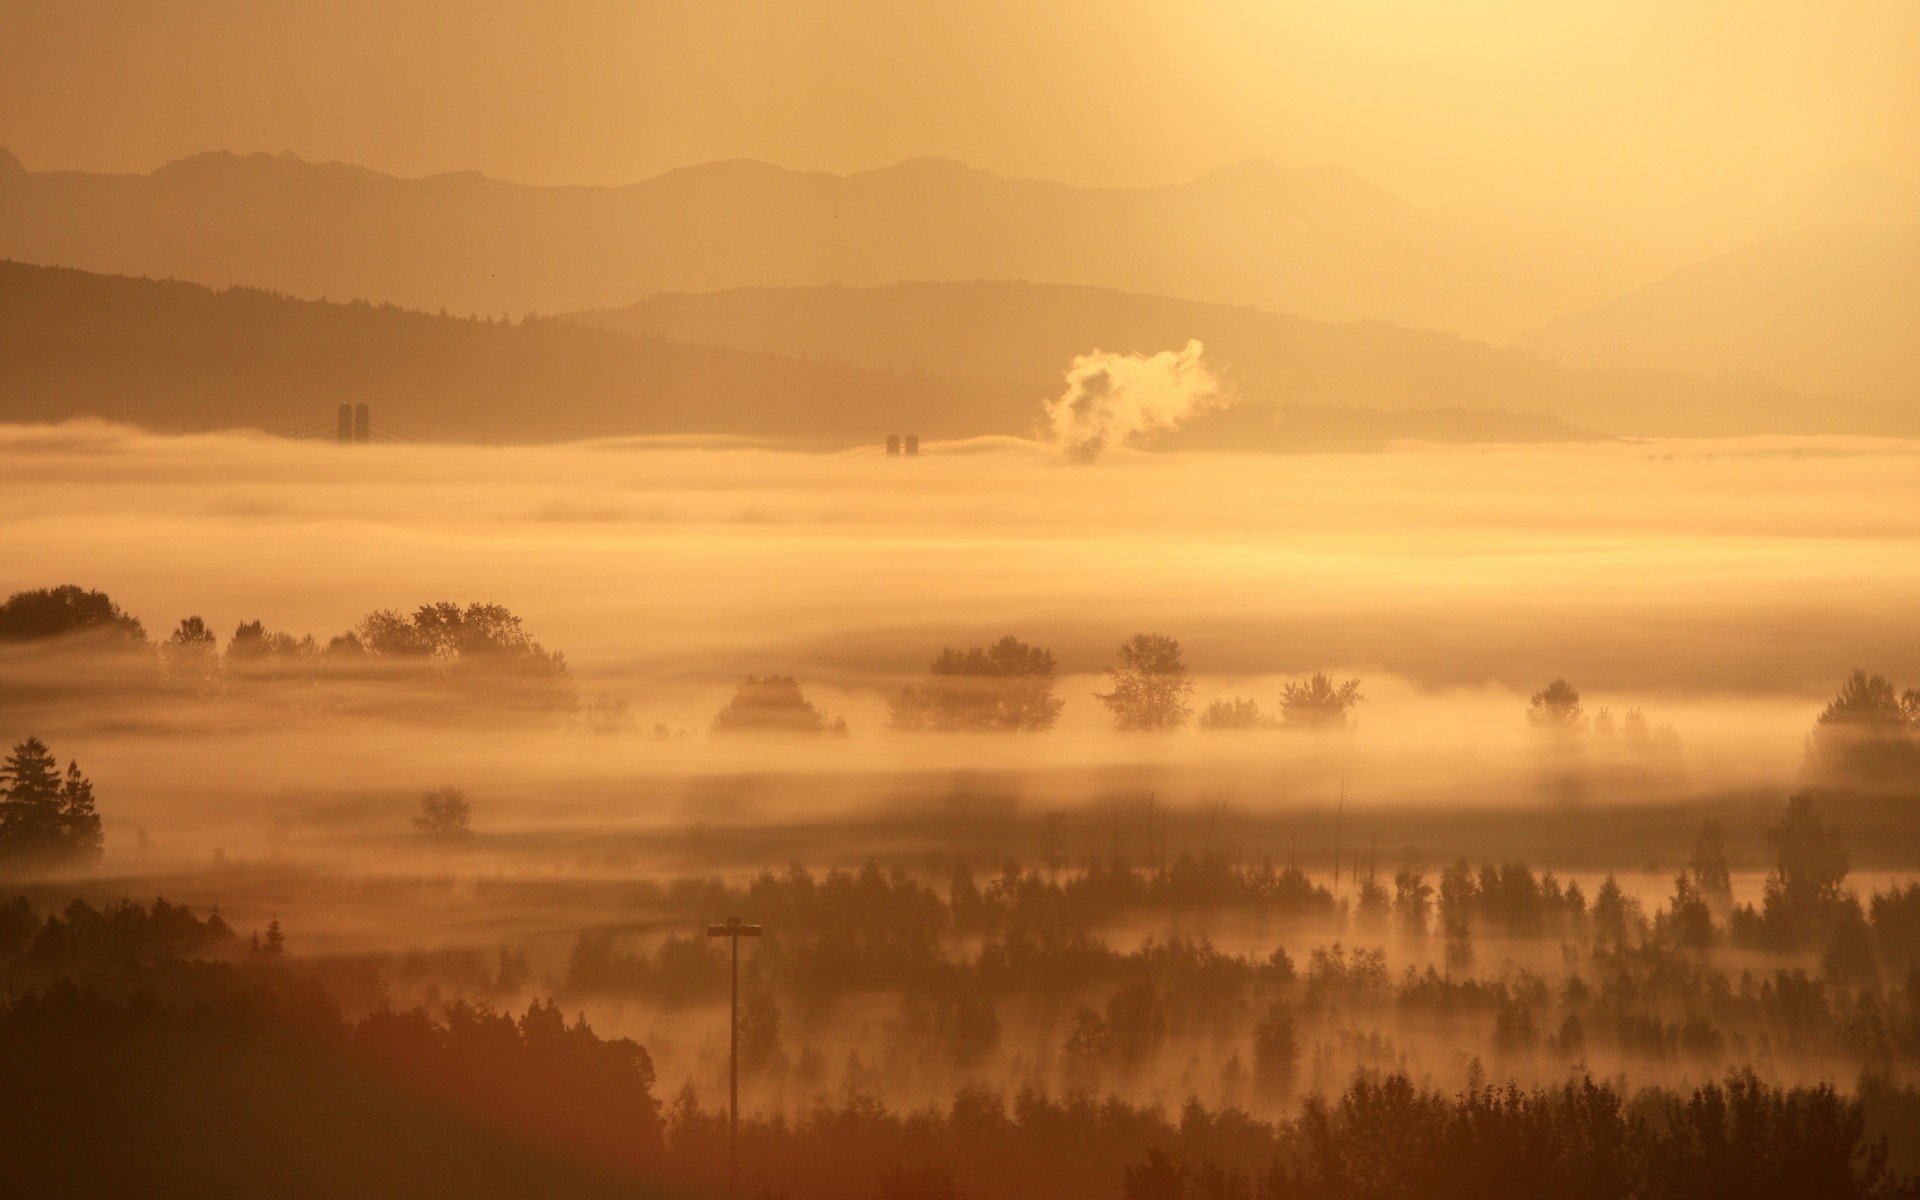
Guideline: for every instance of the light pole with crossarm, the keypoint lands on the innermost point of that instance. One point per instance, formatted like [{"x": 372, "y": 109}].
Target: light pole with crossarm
[{"x": 733, "y": 929}]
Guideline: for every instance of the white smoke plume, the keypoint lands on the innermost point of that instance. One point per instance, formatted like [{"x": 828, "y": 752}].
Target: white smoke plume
[{"x": 1113, "y": 397}]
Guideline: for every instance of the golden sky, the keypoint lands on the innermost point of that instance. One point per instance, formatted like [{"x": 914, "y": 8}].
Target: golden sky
[{"x": 1612, "y": 102}]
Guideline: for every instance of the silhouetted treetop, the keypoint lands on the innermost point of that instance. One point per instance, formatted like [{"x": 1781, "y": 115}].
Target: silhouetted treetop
[
  {"x": 1234, "y": 714},
  {"x": 1002, "y": 688},
  {"x": 1319, "y": 703},
  {"x": 1556, "y": 708},
  {"x": 1150, "y": 684},
  {"x": 1871, "y": 702},
  {"x": 483, "y": 650},
  {"x": 67, "y": 610},
  {"x": 488, "y": 633},
  {"x": 1869, "y": 731},
  {"x": 445, "y": 816},
  {"x": 46, "y": 817},
  {"x": 253, "y": 642},
  {"x": 773, "y": 704}
]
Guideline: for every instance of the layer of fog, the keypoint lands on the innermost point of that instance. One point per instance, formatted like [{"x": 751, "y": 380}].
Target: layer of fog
[
  {"x": 1757, "y": 567},
  {"x": 1722, "y": 587}
]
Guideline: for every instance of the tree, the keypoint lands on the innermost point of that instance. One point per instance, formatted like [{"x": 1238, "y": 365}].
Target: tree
[
  {"x": 30, "y": 825},
  {"x": 445, "y": 815},
  {"x": 759, "y": 1030},
  {"x": 483, "y": 648},
  {"x": 68, "y": 610},
  {"x": 1614, "y": 914},
  {"x": 1688, "y": 921},
  {"x": 1003, "y": 688},
  {"x": 1869, "y": 702},
  {"x": 1412, "y": 898},
  {"x": 253, "y": 642},
  {"x": 1156, "y": 1177},
  {"x": 1276, "y": 1051},
  {"x": 1319, "y": 703},
  {"x": 45, "y": 817},
  {"x": 1136, "y": 1023},
  {"x": 1458, "y": 894},
  {"x": 1150, "y": 685},
  {"x": 1708, "y": 863},
  {"x": 1868, "y": 729},
  {"x": 190, "y": 656},
  {"x": 1556, "y": 708},
  {"x": 1233, "y": 714},
  {"x": 80, "y": 822},
  {"x": 1810, "y": 864},
  {"x": 773, "y": 704}
]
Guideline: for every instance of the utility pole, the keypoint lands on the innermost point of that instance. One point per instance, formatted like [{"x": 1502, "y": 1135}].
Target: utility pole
[{"x": 733, "y": 930}]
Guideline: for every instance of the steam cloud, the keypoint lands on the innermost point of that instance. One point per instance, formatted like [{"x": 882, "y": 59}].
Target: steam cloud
[{"x": 1112, "y": 397}]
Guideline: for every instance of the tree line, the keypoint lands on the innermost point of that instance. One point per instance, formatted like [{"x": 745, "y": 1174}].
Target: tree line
[
  {"x": 482, "y": 654},
  {"x": 478, "y": 655},
  {"x": 185, "y": 1055}
]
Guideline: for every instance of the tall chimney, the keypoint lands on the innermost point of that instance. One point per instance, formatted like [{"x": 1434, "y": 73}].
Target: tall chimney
[
  {"x": 362, "y": 424},
  {"x": 345, "y": 433},
  {"x": 913, "y": 445},
  {"x": 893, "y": 444}
]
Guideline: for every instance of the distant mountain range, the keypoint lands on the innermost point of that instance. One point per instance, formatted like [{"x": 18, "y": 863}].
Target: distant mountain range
[
  {"x": 822, "y": 367},
  {"x": 1318, "y": 241},
  {"x": 175, "y": 356},
  {"x": 178, "y": 357},
  {"x": 1831, "y": 312},
  {"x": 1024, "y": 333},
  {"x": 808, "y": 268}
]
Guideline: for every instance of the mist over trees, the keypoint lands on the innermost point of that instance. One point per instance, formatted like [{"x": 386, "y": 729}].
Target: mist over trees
[
  {"x": 1868, "y": 733},
  {"x": 190, "y": 657},
  {"x": 1319, "y": 703},
  {"x": 69, "y": 616},
  {"x": 1556, "y": 708},
  {"x": 773, "y": 704},
  {"x": 254, "y": 1056},
  {"x": 444, "y": 816},
  {"x": 1150, "y": 685},
  {"x": 440, "y": 661},
  {"x": 1006, "y": 687},
  {"x": 465, "y": 829},
  {"x": 1234, "y": 714},
  {"x": 1631, "y": 747},
  {"x": 1316, "y": 704}
]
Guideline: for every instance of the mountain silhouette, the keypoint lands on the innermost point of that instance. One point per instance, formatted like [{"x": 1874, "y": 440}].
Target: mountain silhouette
[
  {"x": 175, "y": 356},
  {"x": 1830, "y": 312},
  {"x": 1319, "y": 241},
  {"x": 178, "y": 357},
  {"x": 1024, "y": 334}
]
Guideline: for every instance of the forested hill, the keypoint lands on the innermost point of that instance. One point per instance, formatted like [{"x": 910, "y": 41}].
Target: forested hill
[
  {"x": 1026, "y": 332},
  {"x": 175, "y": 356}
]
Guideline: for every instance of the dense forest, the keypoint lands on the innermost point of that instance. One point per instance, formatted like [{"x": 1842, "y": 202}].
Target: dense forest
[{"x": 189, "y": 1054}]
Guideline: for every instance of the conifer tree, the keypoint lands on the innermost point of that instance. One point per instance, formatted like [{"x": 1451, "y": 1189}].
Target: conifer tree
[
  {"x": 79, "y": 821},
  {"x": 30, "y": 825},
  {"x": 43, "y": 815}
]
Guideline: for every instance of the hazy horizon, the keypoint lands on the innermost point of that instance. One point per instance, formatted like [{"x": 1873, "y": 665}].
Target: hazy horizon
[{"x": 1180, "y": 91}]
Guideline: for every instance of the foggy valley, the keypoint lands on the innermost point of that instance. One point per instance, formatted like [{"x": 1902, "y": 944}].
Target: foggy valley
[{"x": 660, "y": 606}]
